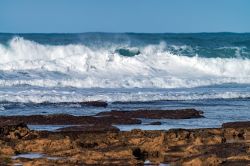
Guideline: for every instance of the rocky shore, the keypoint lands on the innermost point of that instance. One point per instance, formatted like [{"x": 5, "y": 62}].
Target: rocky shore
[
  {"x": 101, "y": 121},
  {"x": 94, "y": 141}
]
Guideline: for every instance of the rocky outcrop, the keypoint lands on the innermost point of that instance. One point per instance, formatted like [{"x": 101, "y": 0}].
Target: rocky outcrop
[
  {"x": 65, "y": 119},
  {"x": 95, "y": 103},
  {"x": 102, "y": 121},
  {"x": 91, "y": 128},
  {"x": 155, "y": 123},
  {"x": 155, "y": 114},
  {"x": 236, "y": 124},
  {"x": 222, "y": 146},
  {"x": 14, "y": 131}
]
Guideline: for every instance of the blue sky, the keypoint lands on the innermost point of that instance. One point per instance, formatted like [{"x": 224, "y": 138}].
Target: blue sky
[{"x": 153, "y": 16}]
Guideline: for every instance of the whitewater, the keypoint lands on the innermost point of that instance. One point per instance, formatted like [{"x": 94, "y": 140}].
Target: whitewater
[
  {"x": 25, "y": 62},
  {"x": 54, "y": 73}
]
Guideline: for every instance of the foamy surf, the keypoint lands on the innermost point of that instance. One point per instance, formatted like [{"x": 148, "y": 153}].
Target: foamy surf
[
  {"x": 25, "y": 62},
  {"x": 34, "y": 95},
  {"x": 56, "y": 73}
]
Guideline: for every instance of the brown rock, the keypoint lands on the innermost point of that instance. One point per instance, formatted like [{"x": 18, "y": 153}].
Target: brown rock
[
  {"x": 236, "y": 124},
  {"x": 95, "y": 103},
  {"x": 14, "y": 131},
  {"x": 203, "y": 160},
  {"x": 220, "y": 146},
  {"x": 65, "y": 119},
  {"x": 155, "y": 114},
  {"x": 103, "y": 118},
  {"x": 91, "y": 128},
  {"x": 155, "y": 123},
  {"x": 98, "y": 103}
]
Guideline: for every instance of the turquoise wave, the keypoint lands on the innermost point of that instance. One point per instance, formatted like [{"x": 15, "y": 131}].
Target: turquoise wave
[{"x": 209, "y": 45}]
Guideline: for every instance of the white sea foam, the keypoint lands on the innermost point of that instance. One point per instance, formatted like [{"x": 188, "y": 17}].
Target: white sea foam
[
  {"x": 30, "y": 63},
  {"x": 57, "y": 96}
]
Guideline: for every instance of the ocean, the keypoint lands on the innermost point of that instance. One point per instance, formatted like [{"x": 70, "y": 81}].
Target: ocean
[{"x": 51, "y": 73}]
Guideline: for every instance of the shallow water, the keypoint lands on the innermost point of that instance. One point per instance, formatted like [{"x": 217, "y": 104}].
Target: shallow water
[
  {"x": 33, "y": 156},
  {"x": 47, "y": 127}
]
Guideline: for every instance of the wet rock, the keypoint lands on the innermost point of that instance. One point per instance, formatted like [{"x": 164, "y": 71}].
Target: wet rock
[
  {"x": 155, "y": 123},
  {"x": 14, "y": 131},
  {"x": 65, "y": 119},
  {"x": 95, "y": 103},
  {"x": 155, "y": 114},
  {"x": 177, "y": 146},
  {"x": 103, "y": 118},
  {"x": 79, "y": 145},
  {"x": 236, "y": 124},
  {"x": 91, "y": 128},
  {"x": 83, "y": 103}
]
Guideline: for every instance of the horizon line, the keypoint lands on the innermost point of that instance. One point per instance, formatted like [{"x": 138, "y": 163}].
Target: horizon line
[{"x": 103, "y": 32}]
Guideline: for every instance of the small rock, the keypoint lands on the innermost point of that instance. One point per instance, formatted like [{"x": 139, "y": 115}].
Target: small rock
[
  {"x": 236, "y": 124},
  {"x": 155, "y": 123},
  {"x": 15, "y": 131},
  {"x": 95, "y": 103},
  {"x": 91, "y": 128}
]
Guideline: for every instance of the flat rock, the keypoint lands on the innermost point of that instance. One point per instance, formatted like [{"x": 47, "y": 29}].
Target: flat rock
[
  {"x": 155, "y": 123},
  {"x": 65, "y": 119},
  {"x": 155, "y": 114},
  {"x": 95, "y": 103},
  {"x": 103, "y": 118},
  {"x": 90, "y": 128},
  {"x": 83, "y": 103},
  {"x": 236, "y": 124}
]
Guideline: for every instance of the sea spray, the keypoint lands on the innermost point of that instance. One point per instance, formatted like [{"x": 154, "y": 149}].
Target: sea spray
[{"x": 25, "y": 62}]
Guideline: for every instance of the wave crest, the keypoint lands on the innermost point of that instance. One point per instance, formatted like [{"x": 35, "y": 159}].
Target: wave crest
[{"x": 27, "y": 62}]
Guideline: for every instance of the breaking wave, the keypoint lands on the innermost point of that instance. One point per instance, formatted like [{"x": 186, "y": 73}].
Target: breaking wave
[{"x": 24, "y": 62}]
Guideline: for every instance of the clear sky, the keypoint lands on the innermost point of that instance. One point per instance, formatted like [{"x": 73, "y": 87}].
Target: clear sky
[{"x": 154, "y": 16}]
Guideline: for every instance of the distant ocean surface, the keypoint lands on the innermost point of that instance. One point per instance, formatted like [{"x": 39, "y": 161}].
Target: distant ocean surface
[{"x": 206, "y": 71}]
